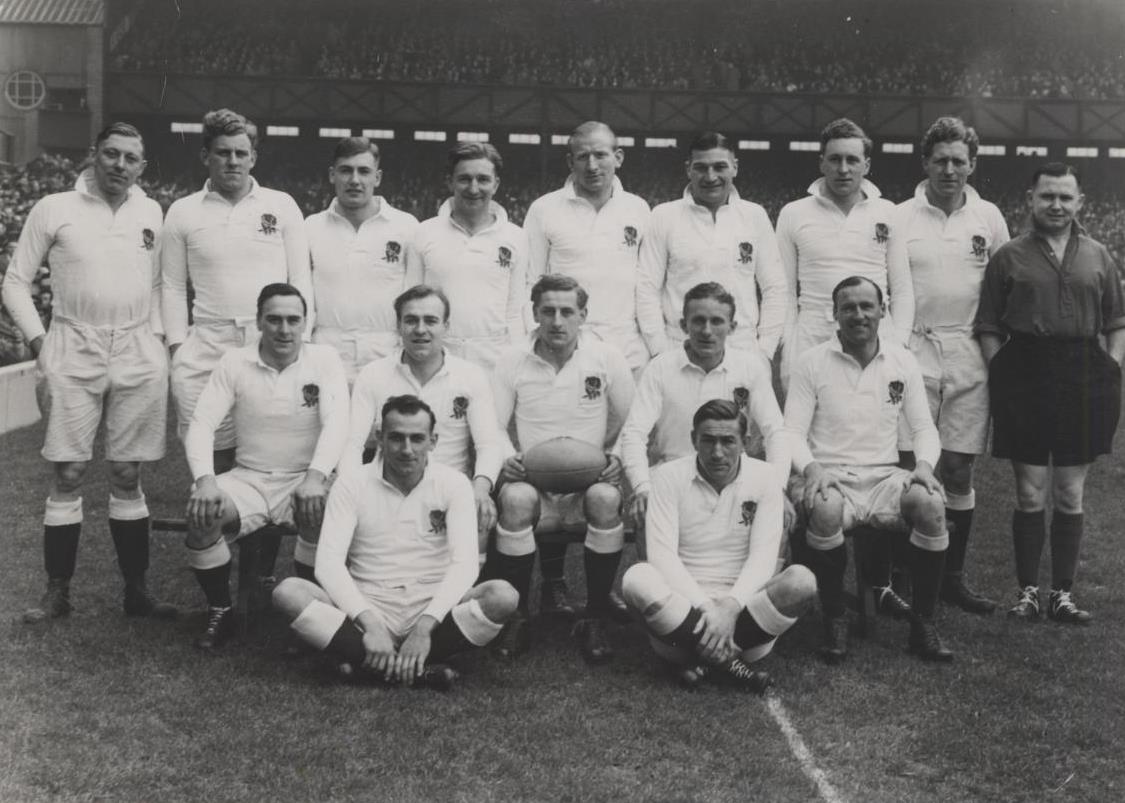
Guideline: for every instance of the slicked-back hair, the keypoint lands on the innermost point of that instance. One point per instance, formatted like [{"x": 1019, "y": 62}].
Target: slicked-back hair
[
  {"x": 709, "y": 290},
  {"x": 1056, "y": 170},
  {"x": 120, "y": 130},
  {"x": 227, "y": 123},
  {"x": 557, "y": 283},
  {"x": 950, "y": 129},
  {"x": 353, "y": 146},
  {"x": 280, "y": 289},
  {"x": 420, "y": 291},
  {"x": 844, "y": 128},
  {"x": 855, "y": 281},
  {"x": 587, "y": 128},
  {"x": 466, "y": 151},
  {"x": 407, "y": 405},
  {"x": 708, "y": 140},
  {"x": 719, "y": 410}
]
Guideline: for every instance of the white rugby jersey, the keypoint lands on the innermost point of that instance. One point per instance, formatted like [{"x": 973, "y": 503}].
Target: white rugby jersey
[
  {"x": 230, "y": 252},
  {"x": 104, "y": 266},
  {"x": 672, "y": 388},
  {"x": 588, "y": 399},
  {"x": 461, "y": 398},
  {"x": 948, "y": 255},
  {"x": 737, "y": 248},
  {"x": 287, "y": 421},
  {"x": 841, "y": 414},
  {"x": 375, "y": 538},
  {"x": 698, "y": 537},
  {"x": 821, "y": 246},
  {"x": 484, "y": 274}
]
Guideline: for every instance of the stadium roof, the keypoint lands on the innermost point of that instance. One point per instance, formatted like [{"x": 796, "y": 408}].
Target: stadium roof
[{"x": 52, "y": 12}]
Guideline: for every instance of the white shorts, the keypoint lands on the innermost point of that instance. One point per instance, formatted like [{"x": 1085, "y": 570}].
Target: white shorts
[
  {"x": 196, "y": 358},
  {"x": 872, "y": 495},
  {"x": 85, "y": 372},
  {"x": 956, "y": 379},
  {"x": 482, "y": 351},
  {"x": 260, "y": 498},
  {"x": 357, "y": 347},
  {"x": 400, "y": 606}
]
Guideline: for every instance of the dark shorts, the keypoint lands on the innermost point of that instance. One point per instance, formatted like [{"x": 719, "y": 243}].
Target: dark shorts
[{"x": 1053, "y": 400}]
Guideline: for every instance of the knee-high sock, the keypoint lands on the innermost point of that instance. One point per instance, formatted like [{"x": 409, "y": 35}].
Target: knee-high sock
[
  {"x": 211, "y": 566},
  {"x": 347, "y": 643},
  {"x": 959, "y": 519},
  {"x": 62, "y": 524},
  {"x": 552, "y": 560},
  {"x": 829, "y": 566},
  {"x": 1029, "y": 531},
  {"x": 513, "y": 560},
  {"x": 877, "y": 566},
  {"x": 128, "y": 524},
  {"x": 926, "y": 569},
  {"x": 1066, "y": 541},
  {"x": 601, "y": 570}
]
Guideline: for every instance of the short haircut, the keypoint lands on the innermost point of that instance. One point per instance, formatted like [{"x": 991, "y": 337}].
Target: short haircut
[
  {"x": 420, "y": 291},
  {"x": 855, "y": 281},
  {"x": 709, "y": 290},
  {"x": 1055, "y": 170},
  {"x": 843, "y": 128},
  {"x": 121, "y": 130},
  {"x": 587, "y": 128},
  {"x": 709, "y": 140},
  {"x": 719, "y": 410},
  {"x": 407, "y": 405},
  {"x": 557, "y": 282},
  {"x": 280, "y": 289},
  {"x": 227, "y": 123},
  {"x": 465, "y": 151},
  {"x": 950, "y": 129},
  {"x": 353, "y": 146}
]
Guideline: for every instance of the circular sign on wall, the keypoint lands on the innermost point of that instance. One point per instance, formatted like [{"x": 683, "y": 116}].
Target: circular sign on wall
[{"x": 25, "y": 90}]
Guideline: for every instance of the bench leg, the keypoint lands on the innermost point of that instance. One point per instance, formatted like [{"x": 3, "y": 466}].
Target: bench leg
[{"x": 249, "y": 558}]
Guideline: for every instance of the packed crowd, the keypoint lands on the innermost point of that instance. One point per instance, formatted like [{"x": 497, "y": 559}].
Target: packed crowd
[{"x": 877, "y": 47}]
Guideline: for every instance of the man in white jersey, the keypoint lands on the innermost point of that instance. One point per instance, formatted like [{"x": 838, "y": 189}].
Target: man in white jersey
[
  {"x": 289, "y": 404},
  {"x": 466, "y": 435},
  {"x": 708, "y": 594},
  {"x": 842, "y": 411},
  {"x": 472, "y": 252},
  {"x": 397, "y": 563},
  {"x": 230, "y": 239},
  {"x": 841, "y": 228},
  {"x": 561, "y": 383},
  {"x": 102, "y": 359},
  {"x": 711, "y": 235},
  {"x": 949, "y": 233},
  {"x": 358, "y": 248}
]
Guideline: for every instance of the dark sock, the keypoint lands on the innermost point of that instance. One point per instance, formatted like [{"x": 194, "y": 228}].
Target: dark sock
[
  {"x": 1029, "y": 531},
  {"x": 60, "y": 550},
  {"x": 1066, "y": 541},
  {"x": 552, "y": 560},
  {"x": 877, "y": 565},
  {"x": 269, "y": 544},
  {"x": 926, "y": 570},
  {"x": 304, "y": 571},
  {"x": 215, "y": 584},
  {"x": 684, "y": 636},
  {"x": 829, "y": 566},
  {"x": 130, "y": 539},
  {"x": 516, "y": 569},
  {"x": 959, "y": 522},
  {"x": 348, "y": 644},
  {"x": 601, "y": 571}
]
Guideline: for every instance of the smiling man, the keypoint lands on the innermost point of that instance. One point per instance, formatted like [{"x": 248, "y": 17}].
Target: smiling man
[
  {"x": 289, "y": 403},
  {"x": 1047, "y": 296}
]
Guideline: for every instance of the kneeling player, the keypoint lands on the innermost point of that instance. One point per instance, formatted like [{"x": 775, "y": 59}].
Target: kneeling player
[
  {"x": 708, "y": 593},
  {"x": 398, "y": 561}
]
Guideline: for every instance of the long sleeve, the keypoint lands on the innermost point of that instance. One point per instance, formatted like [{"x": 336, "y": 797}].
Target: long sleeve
[
  {"x": 900, "y": 285},
  {"x": 767, "y": 415},
  {"x": 662, "y": 535},
  {"x": 333, "y": 409},
  {"x": 765, "y": 542},
  {"x": 800, "y": 404},
  {"x": 773, "y": 284},
  {"x": 489, "y": 442},
  {"x": 297, "y": 260},
  {"x": 621, "y": 390},
  {"x": 415, "y": 265},
  {"x": 916, "y": 410},
  {"x": 216, "y": 400},
  {"x": 517, "y": 295},
  {"x": 647, "y": 405},
  {"x": 538, "y": 247},
  {"x": 504, "y": 387},
  {"x": 651, "y": 272},
  {"x": 361, "y": 417},
  {"x": 155, "y": 313},
  {"x": 787, "y": 249},
  {"x": 173, "y": 276},
  {"x": 34, "y": 243},
  {"x": 336, "y": 534},
  {"x": 993, "y": 296},
  {"x": 461, "y": 530}
]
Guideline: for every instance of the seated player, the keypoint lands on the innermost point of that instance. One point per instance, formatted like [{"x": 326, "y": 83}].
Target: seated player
[
  {"x": 708, "y": 593},
  {"x": 397, "y": 562},
  {"x": 289, "y": 404},
  {"x": 845, "y": 399},
  {"x": 580, "y": 387}
]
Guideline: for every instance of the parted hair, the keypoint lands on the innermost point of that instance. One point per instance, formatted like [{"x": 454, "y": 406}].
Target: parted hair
[
  {"x": 118, "y": 129},
  {"x": 950, "y": 129},
  {"x": 843, "y": 128},
  {"x": 1056, "y": 170},
  {"x": 352, "y": 146},
  {"x": 407, "y": 405},
  {"x": 709, "y": 290},
  {"x": 557, "y": 282},
  {"x": 420, "y": 291},
  {"x": 227, "y": 123},
  {"x": 707, "y": 140},
  {"x": 280, "y": 289},
  {"x": 719, "y": 410},
  {"x": 464, "y": 151}
]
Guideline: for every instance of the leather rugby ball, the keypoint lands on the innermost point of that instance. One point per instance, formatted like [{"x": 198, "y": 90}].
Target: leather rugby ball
[{"x": 564, "y": 465}]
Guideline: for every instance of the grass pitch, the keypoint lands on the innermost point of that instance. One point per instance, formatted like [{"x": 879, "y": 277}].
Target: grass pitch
[{"x": 98, "y": 707}]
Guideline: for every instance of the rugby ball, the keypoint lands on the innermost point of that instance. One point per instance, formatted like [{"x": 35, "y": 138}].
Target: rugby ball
[{"x": 564, "y": 465}]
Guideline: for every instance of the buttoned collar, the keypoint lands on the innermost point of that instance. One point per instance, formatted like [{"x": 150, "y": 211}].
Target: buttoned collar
[
  {"x": 253, "y": 354},
  {"x": 816, "y": 189},
  {"x": 377, "y": 466}
]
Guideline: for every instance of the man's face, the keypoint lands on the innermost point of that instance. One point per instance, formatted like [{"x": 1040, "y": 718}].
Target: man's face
[
  {"x": 281, "y": 323},
  {"x": 473, "y": 182},
  {"x": 858, "y": 312},
  {"x": 228, "y": 162},
  {"x": 118, "y": 163},
  {"x": 559, "y": 318},
  {"x": 422, "y": 326},
  {"x": 712, "y": 174},
  {"x": 707, "y": 325},
  {"x": 843, "y": 165},
  {"x": 406, "y": 443},
  {"x": 593, "y": 161},
  {"x": 718, "y": 447},
  {"x": 948, "y": 168},
  {"x": 355, "y": 179},
  {"x": 1055, "y": 202}
]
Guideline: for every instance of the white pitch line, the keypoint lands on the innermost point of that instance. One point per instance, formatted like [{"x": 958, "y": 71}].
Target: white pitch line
[{"x": 801, "y": 752}]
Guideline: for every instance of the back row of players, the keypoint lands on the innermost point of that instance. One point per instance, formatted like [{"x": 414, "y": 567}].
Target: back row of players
[{"x": 416, "y": 316}]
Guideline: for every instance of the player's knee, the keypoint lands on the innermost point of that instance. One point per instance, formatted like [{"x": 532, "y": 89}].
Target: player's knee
[
  {"x": 957, "y": 472},
  {"x": 518, "y": 505},
  {"x": 924, "y": 510},
  {"x": 498, "y": 600},
  {"x": 793, "y": 590},
  {"x": 69, "y": 476},
  {"x": 290, "y": 596},
  {"x": 602, "y": 504},
  {"x": 826, "y": 515},
  {"x": 124, "y": 476},
  {"x": 641, "y": 585}
]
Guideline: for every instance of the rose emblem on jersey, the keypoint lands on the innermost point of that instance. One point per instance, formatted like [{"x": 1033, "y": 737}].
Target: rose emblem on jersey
[
  {"x": 312, "y": 395},
  {"x": 269, "y": 224},
  {"x": 392, "y": 252},
  {"x": 437, "y": 522},
  {"x": 745, "y": 253},
  {"x": 593, "y": 387},
  {"x": 630, "y": 236},
  {"x": 460, "y": 406},
  {"x": 148, "y": 239},
  {"x": 980, "y": 247},
  {"x": 504, "y": 257},
  {"x": 882, "y": 232},
  {"x": 742, "y": 398},
  {"x": 895, "y": 389},
  {"x": 748, "y": 510}
]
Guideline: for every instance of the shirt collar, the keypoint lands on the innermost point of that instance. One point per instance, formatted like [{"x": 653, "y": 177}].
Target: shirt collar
[
  {"x": 376, "y": 467},
  {"x": 683, "y": 361},
  {"x": 731, "y": 199},
  {"x": 334, "y": 209},
  {"x": 1076, "y": 229},
  {"x": 836, "y": 346},
  {"x": 446, "y": 211},
  {"x": 255, "y": 356},
  {"x": 86, "y": 180},
  {"x": 571, "y": 194},
  {"x": 816, "y": 189},
  {"x": 971, "y": 195},
  {"x": 254, "y": 187},
  {"x": 401, "y": 364},
  {"x": 698, "y": 477}
]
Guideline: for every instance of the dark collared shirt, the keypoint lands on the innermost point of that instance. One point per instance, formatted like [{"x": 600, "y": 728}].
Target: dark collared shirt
[{"x": 1026, "y": 290}]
